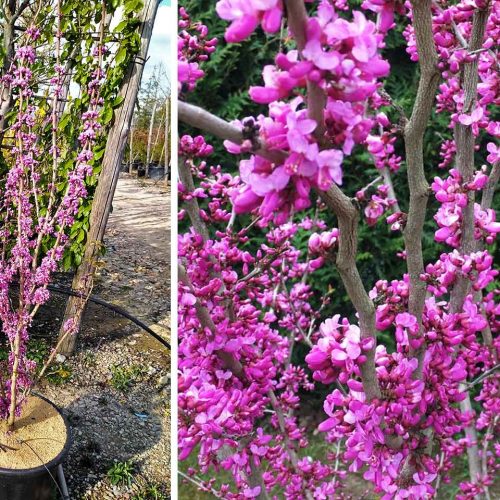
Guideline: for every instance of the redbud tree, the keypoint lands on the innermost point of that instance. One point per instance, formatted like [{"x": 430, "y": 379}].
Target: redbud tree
[
  {"x": 396, "y": 418},
  {"x": 45, "y": 181}
]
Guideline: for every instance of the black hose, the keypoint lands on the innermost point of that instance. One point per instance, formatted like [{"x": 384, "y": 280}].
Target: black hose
[{"x": 112, "y": 307}]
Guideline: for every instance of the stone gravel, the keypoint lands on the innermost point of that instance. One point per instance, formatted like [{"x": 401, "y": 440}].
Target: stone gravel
[{"x": 111, "y": 425}]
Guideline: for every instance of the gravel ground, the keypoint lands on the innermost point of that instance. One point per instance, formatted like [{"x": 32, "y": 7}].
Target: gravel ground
[{"x": 111, "y": 423}]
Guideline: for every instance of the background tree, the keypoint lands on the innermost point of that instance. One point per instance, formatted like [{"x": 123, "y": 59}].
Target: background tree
[{"x": 150, "y": 116}]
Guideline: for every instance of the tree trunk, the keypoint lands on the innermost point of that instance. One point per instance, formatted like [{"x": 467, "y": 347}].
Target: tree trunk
[
  {"x": 167, "y": 136},
  {"x": 150, "y": 137},
  {"x": 108, "y": 178},
  {"x": 131, "y": 148}
]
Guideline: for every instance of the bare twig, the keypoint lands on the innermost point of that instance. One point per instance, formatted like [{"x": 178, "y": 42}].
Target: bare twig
[
  {"x": 481, "y": 377},
  {"x": 192, "y": 206},
  {"x": 199, "y": 484}
]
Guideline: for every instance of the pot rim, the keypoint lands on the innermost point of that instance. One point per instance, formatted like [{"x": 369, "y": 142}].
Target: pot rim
[{"x": 34, "y": 471}]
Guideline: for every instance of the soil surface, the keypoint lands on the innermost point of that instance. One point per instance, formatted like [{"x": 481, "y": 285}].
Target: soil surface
[
  {"x": 40, "y": 435},
  {"x": 115, "y": 390}
]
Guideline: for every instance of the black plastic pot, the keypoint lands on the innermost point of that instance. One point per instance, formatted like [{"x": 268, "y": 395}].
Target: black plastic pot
[
  {"x": 156, "y": 172},
  {"x": 36, "y": 483}
]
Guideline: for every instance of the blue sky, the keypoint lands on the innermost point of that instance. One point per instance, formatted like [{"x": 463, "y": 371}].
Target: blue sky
[{"x": 161, "y": 41}]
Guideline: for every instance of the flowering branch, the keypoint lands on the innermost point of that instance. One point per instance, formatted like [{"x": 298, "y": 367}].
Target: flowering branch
[{"x": 348, "y": 217}]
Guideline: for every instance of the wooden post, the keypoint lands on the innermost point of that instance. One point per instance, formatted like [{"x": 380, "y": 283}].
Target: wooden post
[{"x": 108, "y": 178}]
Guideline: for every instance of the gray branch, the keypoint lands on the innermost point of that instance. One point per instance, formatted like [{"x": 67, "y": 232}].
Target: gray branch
[{"x": 414, "y": 138}]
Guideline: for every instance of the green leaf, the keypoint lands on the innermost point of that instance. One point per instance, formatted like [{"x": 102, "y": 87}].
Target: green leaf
[
  {"x": 118, "y": 101},
  {"x": 81, "y": 236},
  {"x": 67, "y": 261},
  {"x": 121, "y": 26},
  {"x": 107, "y": 114},
  {"x": 99, "y": 154},
  {"x": 78, "y": 259},
  {"x": 132, "y": 6},
  {"x": 121, "y": 55}
]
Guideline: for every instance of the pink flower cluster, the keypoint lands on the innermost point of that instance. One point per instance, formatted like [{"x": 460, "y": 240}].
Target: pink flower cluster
[
  {"x": 246, "y": 15},
  {"x": 382, "y": 146},
  {"x": 451, "y": 28},
  {"x": 323, "y": 243},
  {"x": 377, "y": 205},
  {"x": 193, "y": 47},
  {"x": 279, "y": 188},
  {"x": 221, "y": 412},
  {"x": 343, "y": 59},
  {"x": 452, "y": 194},
  {"x": 338, "y": 352}
]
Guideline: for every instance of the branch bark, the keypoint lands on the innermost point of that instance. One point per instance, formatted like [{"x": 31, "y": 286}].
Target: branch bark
[
  {"x": 414, "y": 138},
  {"x": 464, "y": 142},
  {"x": 316, "y": 99},
  {"x": 192, "y": 207},
  {"x": 491, "y": 185},
  {"x": 348, "y": 216}
]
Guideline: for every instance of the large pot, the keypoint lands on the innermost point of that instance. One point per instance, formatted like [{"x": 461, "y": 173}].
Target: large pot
[
  {"x": 35, "y": 483},
  {"x": 156, "y": 172}
]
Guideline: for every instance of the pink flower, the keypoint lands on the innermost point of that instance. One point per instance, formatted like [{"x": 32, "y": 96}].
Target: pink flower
[
  {"x": 246, "y": 15},
  {"x": 329, "y": 162},
  {"x": 251, "y": 492},
  {"x": 385, "y": 9},
  {"x": 473, "y": 119},
  {"x": 323, "y": 58},
  {"x": 361, "y": 33},
  {"x": 494, "y": 151},
  {"x": 407, "y": 330}
]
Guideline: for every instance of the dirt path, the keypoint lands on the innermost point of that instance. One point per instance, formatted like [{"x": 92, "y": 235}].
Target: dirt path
[
  {"x": 137, "y": 263},
  {"x": 117, "y": 393}
]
